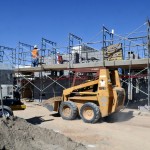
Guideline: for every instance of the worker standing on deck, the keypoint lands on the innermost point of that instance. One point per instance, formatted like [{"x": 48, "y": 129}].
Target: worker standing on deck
[
  {"x": 59, "y": 58},
  {"x": 35, "y": 56}
]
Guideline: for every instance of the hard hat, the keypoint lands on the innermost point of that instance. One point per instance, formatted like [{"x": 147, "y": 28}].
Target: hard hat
[
  {"x": 57, "y": 52},
  {"x": 35, "y": 46}
]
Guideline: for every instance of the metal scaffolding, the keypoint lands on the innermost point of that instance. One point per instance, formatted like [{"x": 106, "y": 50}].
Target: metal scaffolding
[
  {"x": 8, "y": 55},
  {"x": 24, "y": 54},
  {"x": 136, "y": 41},
  {"x": 72, "y": 39},
  {"x": 48, "y": 48},
  {"x": 135, "y": 46},
  {"x": 148, "y": 65}
]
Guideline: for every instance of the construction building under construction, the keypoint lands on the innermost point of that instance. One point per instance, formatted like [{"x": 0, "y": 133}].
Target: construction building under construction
[{"x": 129, "y": 53}]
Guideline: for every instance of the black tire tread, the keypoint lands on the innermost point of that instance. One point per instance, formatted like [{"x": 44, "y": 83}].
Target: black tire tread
[
  {"x": 97, "y": 114},
  {"x": 8, "y": 109},
  {"x": 73, "y": 108}
]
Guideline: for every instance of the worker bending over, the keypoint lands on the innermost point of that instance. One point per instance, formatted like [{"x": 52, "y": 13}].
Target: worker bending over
[
  {"x": 59, "y": 61},
  {"x": 59, "y": 58},
  {"x": 35, "y": 56}
]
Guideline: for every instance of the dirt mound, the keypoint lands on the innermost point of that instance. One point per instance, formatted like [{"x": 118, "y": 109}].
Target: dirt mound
[
  {"x": 51, "y": 100},
  {"x": 17, "y": 134},
  {"x": 49, "y": 104}
]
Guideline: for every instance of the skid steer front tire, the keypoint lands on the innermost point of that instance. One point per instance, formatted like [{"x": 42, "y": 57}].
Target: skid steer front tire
[
  {"x": 90, "y": 113},
  {"x": 68, "y": 110}
]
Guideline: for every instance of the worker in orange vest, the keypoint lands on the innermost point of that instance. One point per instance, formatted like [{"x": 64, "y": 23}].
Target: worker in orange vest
[{"x": 35, "y": 56}]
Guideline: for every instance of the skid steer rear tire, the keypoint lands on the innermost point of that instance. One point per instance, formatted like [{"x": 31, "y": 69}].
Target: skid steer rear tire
[
  {"x": 68, "y": 110},
  {"x": 7, "y": 112},
  {"x": 90, "y": 113}
]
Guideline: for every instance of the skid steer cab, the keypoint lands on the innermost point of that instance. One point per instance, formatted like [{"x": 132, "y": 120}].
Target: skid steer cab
[{"x": 92, "y": 100}]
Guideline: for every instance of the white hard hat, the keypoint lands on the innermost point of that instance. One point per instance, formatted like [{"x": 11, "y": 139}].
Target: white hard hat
[
  {"x": 57, "y": 52},
  {"x": 35, "y": 46}
]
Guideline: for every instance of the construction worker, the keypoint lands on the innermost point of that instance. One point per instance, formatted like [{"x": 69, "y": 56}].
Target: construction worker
[
  {"x": 16, "y": 93},
  {"x": 60, "y": 61},
  {"x": 35, "y": 56},
  {"x": 59, "y": 58}
]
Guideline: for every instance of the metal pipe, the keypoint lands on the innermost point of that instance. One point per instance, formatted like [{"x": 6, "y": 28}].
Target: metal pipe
[
  {"x": 148, "y": 65},
  {"x": 2, "y": 101}
]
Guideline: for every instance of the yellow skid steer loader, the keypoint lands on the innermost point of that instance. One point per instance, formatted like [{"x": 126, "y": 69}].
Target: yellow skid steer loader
[{"x": 92, "y": 100}]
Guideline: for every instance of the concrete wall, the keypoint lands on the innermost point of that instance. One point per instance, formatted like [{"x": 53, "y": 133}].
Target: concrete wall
[
  {"x": 86, "y": 56},
  {"x": 51, "y": 91}
]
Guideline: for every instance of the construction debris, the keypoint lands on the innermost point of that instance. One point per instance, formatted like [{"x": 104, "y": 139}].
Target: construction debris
[{"x": 113, "y": 52}]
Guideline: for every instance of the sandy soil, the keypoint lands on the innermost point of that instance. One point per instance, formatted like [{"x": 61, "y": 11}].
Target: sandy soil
[
  {"x": 126, "y": 130},
  {"x": 17, "y": 134}
]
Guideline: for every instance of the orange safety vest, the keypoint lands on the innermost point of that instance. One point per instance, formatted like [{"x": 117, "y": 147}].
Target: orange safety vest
[{"x": 35, "y": 53}]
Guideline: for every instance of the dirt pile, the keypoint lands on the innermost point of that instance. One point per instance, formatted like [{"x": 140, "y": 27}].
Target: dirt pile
[
  {"x": 16, "y": 134},
  {"x": 49, "y": 104},
  {"x": 51, "y": 100}
]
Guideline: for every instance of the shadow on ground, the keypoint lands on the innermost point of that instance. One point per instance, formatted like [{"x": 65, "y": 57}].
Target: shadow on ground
[
  {"x": 55, "y": 115},
  {"x": 135, "y": 103},
  {"x": 118, "y": 117},
  {"x": 37, "y": 120}
]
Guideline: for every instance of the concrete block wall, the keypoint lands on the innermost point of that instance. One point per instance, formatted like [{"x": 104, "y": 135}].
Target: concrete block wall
[
  {"x": 96, "y": 54},
  {"x": 53, "y": 90}
]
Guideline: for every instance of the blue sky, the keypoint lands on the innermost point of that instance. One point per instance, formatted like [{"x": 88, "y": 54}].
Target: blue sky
[{"x": 30, "y": 20}]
